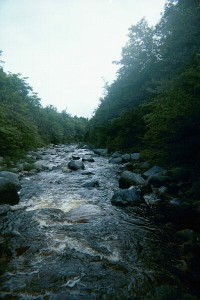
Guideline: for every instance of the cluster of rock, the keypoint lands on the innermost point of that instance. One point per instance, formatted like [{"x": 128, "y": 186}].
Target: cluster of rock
[{"x": 44, "y": 159}]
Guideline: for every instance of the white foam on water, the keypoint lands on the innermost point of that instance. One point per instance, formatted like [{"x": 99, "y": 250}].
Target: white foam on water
[{"x": 60, "y": 243}]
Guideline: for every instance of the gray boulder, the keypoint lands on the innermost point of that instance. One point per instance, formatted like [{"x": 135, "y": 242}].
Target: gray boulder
[
  {"x": 40, "y": 165},
  {"x": 101, "y": 152},
  {"x": 135, "y": 156},
  {"x": 126, "y": 157},
  {"x": 76, "y": 165},
  {"x": 154, "y": 170},
  {"x": 12, "y": 178},
  {"x": 116, "y": 154},
  {"x": 115, "y": 160},
  {"x": 8, "y": 192},
  {"x": 127, "y": 197},
  {"x": 158, "y": 180},
  {"x": 128, "y": 179}
]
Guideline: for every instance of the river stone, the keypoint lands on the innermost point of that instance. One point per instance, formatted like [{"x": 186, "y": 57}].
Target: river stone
[
  {"x": 128, "y": 179},
  {"x": 12, "y": 178},
  {"x": 153, "y": 171},
  {"x": 116, "y": 154},
  {"x": 100, "y": 152},
  {"x": 91, "y": 183},
  {"x": 135, "y": 156},
  {"x": 127, "y": 197},
  {"x": 115, "y": 160},
  {"x": 40, "y": 165},
  {"x": 126, "y": 157},
  {"x": 88, "y": 158},
  {"x": 158, "y": 180},
  {"x": 8, "y": 192},
  {"x": 76, "y": 165}
]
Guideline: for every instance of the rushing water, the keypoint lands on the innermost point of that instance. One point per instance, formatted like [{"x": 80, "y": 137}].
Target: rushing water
[{"x": 68, "y": 242}]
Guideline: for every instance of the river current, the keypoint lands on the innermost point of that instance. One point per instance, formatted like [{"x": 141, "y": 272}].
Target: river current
[{"x": 68, "y": 242}]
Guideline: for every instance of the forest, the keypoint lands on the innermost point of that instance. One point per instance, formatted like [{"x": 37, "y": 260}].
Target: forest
[
  {"x": 26, "y": 125},
  {"x": 153, "y": 104},
  {"x": 151, "y": 107}
]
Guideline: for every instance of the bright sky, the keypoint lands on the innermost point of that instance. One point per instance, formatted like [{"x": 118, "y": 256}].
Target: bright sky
[{"x": 66, "y": 47}]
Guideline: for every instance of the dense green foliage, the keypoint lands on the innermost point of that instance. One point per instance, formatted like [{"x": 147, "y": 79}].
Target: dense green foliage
[
  {"x": 153, "y": 105},
  {"x": 25, "y": 124}
]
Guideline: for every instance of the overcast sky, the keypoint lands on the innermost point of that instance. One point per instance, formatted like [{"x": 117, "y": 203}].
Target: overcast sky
[{"x": 66, "y": 47}]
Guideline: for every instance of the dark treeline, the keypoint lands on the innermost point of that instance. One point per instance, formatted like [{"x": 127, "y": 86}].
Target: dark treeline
[
  {"x": 153, "y": 105},
  {"x": 25, "y": 124}
]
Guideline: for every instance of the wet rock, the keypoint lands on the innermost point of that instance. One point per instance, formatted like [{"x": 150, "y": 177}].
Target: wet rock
[
  {"x": 9, "y": 187},
  {"x": 151, "y": 199},
  {"x": 75, "y": 157},
  {"x": 127, "y": 197},
  {"x": 88, "y": 158},
  {"x": 175, "y": 202},
  {"x": 76, "y": 165},
  {"x": 116, "y": 160},
  {"x": 12, "y": 177},
  {"x": 153, "y": 171},
  {"x": 128, "y": 179},
  {"x": 158, "y": 180},
  {"x": 91, "y": 183},
  {"x": 8, "y": 192},
  {"x": 135, "y": 156},
  {"x": 101, "y": 152},
  {"x": 116, "y": 154},
  {"x": 126, "y": 157},
  {"x": 40, "y": 165}
]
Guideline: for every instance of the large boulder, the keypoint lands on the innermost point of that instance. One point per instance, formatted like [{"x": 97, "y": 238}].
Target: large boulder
[
  {"x": 12, "y": 178},
  {"x": 101, "y": 152},
  {"x": 40, "y": 165},
  {"x": 9, "y": 187},
  {"x": 116, "y": 154},
  {"x": 76, "y": 165},
  {"x": 128, "y": 179},
  {"x": 154, "y": 170},
  {"x": 135, "y": 156},
  {"x": 126, "y": 157},
  {"x": 158, "y": 180},
  {"x": 127, "y": 197},
  {"x": 115, "y": 160}
]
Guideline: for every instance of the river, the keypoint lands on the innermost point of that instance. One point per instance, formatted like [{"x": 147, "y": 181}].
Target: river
[{"x": 68, "y": 242}]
